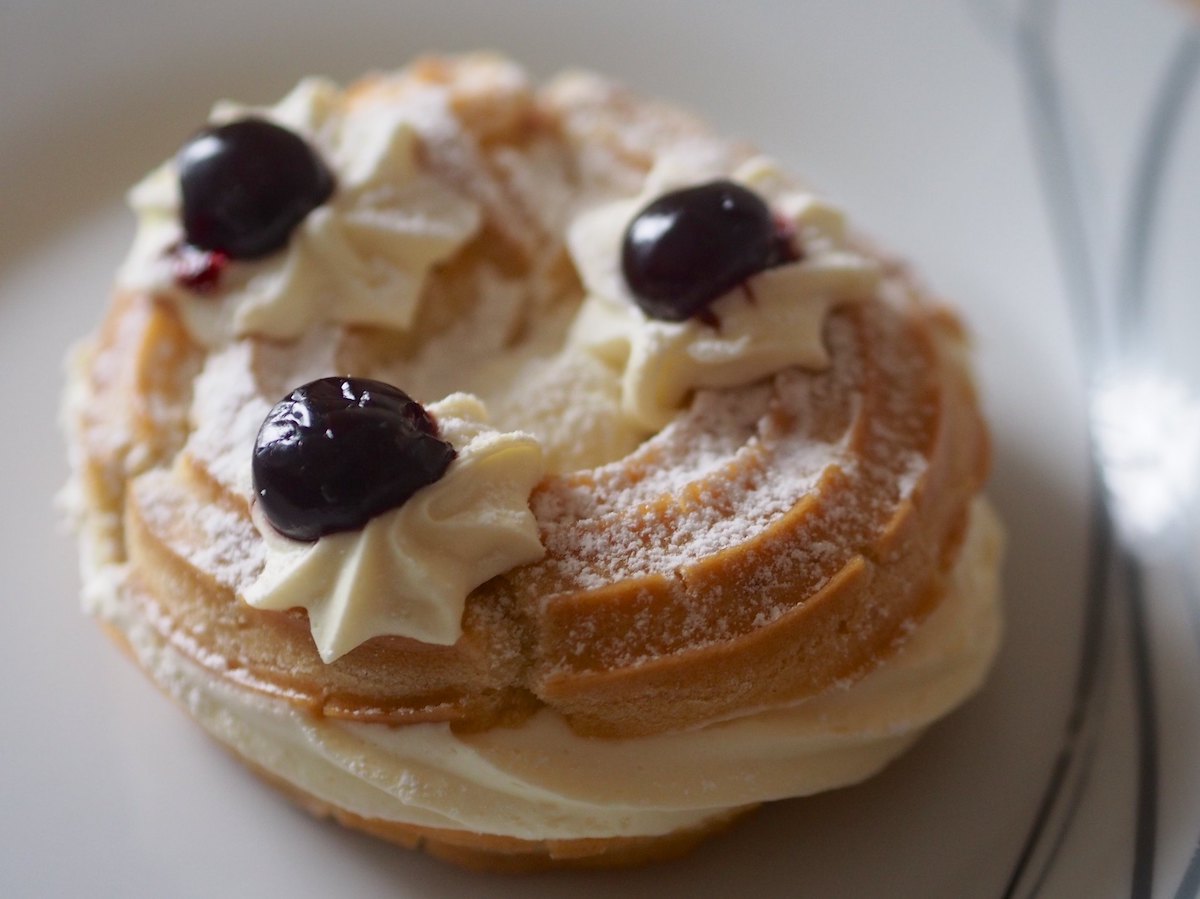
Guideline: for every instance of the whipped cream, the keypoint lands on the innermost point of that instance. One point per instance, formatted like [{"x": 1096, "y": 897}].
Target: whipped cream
[
  {"x": 408, "y": 571},
  {"x": 774, "y": 321},
  {"x": 541, "y": 780},
  {"x": 361, "y": 258}
]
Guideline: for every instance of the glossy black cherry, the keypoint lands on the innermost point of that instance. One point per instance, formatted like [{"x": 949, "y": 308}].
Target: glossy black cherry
[
  {"x": 688, "y": 247},
  {"x": 247, "y": 185},
  {"x": 338, "y": 451}
]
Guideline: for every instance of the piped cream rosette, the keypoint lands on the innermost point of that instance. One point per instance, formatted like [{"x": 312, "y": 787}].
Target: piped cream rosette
[
  {"x": 772, "y": 322},
  {"x": 358, "y": 259},
  {"x": 408, "y": 571}
]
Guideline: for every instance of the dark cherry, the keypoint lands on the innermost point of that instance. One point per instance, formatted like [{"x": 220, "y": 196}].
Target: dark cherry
[
  {"x": 247, "y": 185},
  {"x": 690, "y": 246},
  {"x": 339, "y": 451}
]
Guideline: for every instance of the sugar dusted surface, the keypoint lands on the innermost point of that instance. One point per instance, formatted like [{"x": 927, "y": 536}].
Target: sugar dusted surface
[
  {"x": 737, "y": 476},
  {"x": 230, "y": 551}
]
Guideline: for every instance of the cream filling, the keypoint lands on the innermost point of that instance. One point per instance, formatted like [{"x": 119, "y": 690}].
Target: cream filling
[
  {"x": 408, "y": 571},
  {"x": 542, "y": 781}
]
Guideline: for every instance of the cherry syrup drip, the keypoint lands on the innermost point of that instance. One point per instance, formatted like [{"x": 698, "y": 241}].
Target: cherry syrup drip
[
  {"x": 786, "y": 241},
  {"x": 197, "y": 270}
]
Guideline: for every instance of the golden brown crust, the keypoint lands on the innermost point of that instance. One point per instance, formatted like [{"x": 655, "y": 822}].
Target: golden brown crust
[
  {"x": 625, "y": 658},
  {"x": 609, "y": 629}
]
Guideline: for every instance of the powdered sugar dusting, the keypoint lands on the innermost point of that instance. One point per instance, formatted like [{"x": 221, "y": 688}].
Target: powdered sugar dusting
[
  {"x": 715, "y": 478},
  {"x": 801, "y": 474},
  {"x": 235, "y": 390},
  {"x": 210, "y": 536},
  {"x": 230, "y": 552},
  {"x": 226, "y": 416}
]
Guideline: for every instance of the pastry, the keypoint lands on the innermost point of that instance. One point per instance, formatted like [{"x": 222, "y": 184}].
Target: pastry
[{"x": 527, "y": 474}]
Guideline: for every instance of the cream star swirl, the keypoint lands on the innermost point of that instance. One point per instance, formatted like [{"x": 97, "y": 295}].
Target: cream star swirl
[
  {"x": 360, "y": 258},
  {"x": 772, "y": 322},
  {"x": 408, "y": 571}
]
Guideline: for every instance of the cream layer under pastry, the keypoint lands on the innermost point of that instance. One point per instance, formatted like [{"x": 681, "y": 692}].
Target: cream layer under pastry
[{"x": 526, "y": 474}]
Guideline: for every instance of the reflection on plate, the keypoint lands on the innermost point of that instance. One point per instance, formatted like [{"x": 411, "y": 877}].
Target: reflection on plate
[{"x": 1038, "y": 160}]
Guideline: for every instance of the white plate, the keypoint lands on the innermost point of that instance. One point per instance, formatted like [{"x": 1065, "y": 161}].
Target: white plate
[{"x": 997, "y": 144}]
